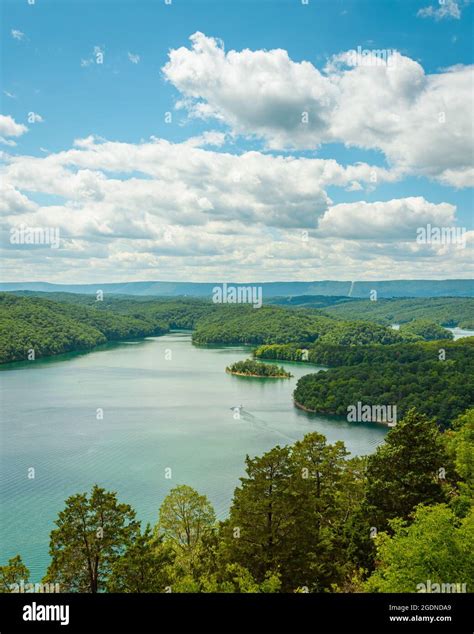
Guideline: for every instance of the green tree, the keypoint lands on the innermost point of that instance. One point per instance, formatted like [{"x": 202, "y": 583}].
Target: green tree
[
  {"x": 143, "y": 567},
  {"x": 257, "y": 531},
  {"x": 460, "y": 446},
  {"x": 288, "y": 516},
  {"x": 13, "y": 573},
  {"x": 324, "y": 490},
  {"x": 435, "y": 548},
  {"x": 185, "y": 518},
  {"x": 232, "y": 579},
  {"x": 91, "y": 534},
  {"x": 405, "y": 470}
]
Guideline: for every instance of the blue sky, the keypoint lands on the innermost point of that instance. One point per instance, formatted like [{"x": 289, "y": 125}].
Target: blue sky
[{"x": 49, "y": 68}]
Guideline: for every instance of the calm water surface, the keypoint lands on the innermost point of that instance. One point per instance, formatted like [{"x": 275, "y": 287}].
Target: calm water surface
[{"x": 166, "y": 404}]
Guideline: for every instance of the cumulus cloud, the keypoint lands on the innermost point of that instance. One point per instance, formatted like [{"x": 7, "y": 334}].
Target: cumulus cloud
[
  {"x": 189, "y": 184},
  {"x": 421, "y": 122},
  {"x": 210, "y": 138},
  {"x": 130, "y": 210},
  {"x": 10, "y": 128},
  {"x": 14, "y": 202},
  {"x": 384, "y": 220}
]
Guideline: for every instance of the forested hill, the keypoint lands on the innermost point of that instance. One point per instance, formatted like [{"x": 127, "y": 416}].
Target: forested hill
[
  {"x": 49, "y": 328},
  {"x": 446, "y": 311},
  {"x": 272, "y": 324},
  {"x": 437, "y": 378},
  {"x": 80, "y": 322}
]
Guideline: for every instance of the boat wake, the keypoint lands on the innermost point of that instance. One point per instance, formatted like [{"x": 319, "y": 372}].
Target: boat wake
[{"x": 260, "y": 423}]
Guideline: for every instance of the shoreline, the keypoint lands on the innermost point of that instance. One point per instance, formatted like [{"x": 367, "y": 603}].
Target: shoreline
[{"x": 314, "y": 411}]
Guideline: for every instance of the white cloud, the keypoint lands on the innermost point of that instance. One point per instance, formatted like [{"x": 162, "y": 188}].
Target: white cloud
[
  {"x": 421, "y": 122},
  {"x": 129, "y": 211},
  {"x": 210, "y": 138},
  {"x": 384, "y": 220},
  {"x": 10, "y": 128},
  {"x": 184, "y": 181},
  {"x": 14, "y": 202},
  {"x": 134, "y": 58},
  {"x": 17, "y": 35},
  {"x": 443, "y": 9}
]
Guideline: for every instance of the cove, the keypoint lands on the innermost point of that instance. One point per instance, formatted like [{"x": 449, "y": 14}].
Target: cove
[{"x": 166, "y": 412}]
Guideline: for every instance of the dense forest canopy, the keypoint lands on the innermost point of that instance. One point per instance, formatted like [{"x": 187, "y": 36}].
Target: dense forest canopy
[
  {"x": 271, "y": 324},
  {"x": 52, "y": 323},
  {"x": 249, "y": 367},
  {"x": 437, "y": 380},
  {"x": 444, "y": 311},
  {"x": 48, "y": 328}
]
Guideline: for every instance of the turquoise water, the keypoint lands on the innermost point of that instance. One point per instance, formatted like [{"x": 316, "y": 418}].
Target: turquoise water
[{"x": 166, "y": 404}]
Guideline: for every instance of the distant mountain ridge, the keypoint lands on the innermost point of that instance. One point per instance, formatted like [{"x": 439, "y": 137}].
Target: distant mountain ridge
[{"x": 384, "y": 288}]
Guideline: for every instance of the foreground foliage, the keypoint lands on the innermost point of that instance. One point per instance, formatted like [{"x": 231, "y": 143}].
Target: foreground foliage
[
  {"x": 305, "y": 518},
  {"x": 436, "y": 548}
]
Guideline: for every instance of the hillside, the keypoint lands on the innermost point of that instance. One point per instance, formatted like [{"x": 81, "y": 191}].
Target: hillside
[
  {"x": 51, "y": 328},
  {"x": 416, "y": 377},
  {"x": 448, "y": 311},
  {"x": 272, "y": 324}
]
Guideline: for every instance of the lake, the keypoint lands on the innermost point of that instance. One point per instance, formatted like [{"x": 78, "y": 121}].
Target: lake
[
  {"x": 458, "y": 333},
  {"x": 166, "y": 404}
]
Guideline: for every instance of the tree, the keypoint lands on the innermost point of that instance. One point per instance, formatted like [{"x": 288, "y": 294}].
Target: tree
[
  {"x": 461, "y": 441},
  {"x": 435, "y": 549},
  {"x": 185, "y": 517},
  {"x": 288, "y": 516},
  {"x": 460, "y": 446},
  {"x": 143, "y": 567},
  {"x": 92, "y": 534},
  {"x": 233, "y": 578},
  {"x": 12, "y": 574},
  {"x": 257, "y": 531},
  {"x": 325, "y": 488},
  {"x": 406, "y": 470}
]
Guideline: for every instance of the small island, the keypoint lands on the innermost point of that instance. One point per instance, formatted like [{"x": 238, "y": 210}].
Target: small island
[{"x": 258, "y": 369}]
